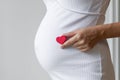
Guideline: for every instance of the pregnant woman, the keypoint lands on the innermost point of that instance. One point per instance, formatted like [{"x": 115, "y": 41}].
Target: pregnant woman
[{"x": 64, "y": 16}]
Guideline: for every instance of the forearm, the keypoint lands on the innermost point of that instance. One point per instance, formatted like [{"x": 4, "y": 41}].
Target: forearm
[{"x": 111, "y": 30}]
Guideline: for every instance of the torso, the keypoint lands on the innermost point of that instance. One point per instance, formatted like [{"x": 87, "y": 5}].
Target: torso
[{"x": 71, "y": 64}]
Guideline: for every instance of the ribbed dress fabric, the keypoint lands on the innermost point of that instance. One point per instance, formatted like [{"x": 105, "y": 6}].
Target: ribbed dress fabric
[{"x": 63, "y": 16}]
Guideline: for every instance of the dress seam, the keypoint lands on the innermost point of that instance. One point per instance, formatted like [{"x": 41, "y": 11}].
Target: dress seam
[{"x": 80, "y": 12}]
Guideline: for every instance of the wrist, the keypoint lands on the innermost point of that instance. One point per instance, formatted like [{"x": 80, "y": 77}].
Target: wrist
[
  {"x": 111, "y": 30},
  {"x": 102, "y": 30}
]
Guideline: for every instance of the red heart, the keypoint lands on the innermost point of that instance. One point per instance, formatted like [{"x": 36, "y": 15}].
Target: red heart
[{"x": 61, "y": 39}]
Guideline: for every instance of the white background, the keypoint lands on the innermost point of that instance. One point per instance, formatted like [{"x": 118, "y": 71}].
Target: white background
[{"x": 19, "y": 20}]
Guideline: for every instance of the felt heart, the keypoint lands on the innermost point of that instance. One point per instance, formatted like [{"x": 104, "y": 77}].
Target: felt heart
[{"x": 61, "y": 39}]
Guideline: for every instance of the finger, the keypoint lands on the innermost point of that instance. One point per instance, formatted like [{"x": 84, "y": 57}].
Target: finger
[
  {"x": 85, "y": 49},
  {"x": 79, "y": 43},
  {"x": 69, "y": 42},
  {"x": 81, "y": 47}
]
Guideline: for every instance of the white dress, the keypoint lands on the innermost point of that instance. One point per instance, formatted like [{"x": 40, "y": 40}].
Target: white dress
[{"x": 63, "y": 16}]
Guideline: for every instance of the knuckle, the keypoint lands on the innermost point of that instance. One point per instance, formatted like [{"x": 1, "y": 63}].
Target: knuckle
[
  {"x": 83, "y": 41},
  {"x": 69, "y": 43}
]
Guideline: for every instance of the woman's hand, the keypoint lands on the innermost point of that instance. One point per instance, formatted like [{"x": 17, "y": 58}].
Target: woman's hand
[{"x": 83, "y": 39}]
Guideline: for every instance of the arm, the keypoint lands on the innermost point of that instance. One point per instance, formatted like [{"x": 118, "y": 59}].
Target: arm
[
  {"x": 109, "y": 30},
  {"x": 85, "y": 38}
]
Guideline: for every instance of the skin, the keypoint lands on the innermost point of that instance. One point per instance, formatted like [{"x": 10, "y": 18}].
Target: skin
[{"x": 84, "y": 39}]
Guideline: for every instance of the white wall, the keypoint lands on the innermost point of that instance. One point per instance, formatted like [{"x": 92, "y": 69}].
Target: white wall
[
  {"x": 113, "y": 15},
  {"x": 19, "y": 20}
]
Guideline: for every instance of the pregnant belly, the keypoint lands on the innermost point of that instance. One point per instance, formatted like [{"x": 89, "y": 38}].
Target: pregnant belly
[
  {"x": 49, "y": 53},
  {"x": 69, "y": 61}
]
